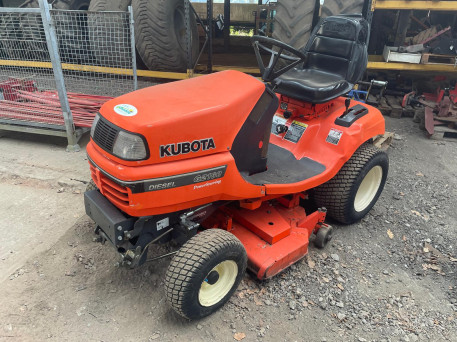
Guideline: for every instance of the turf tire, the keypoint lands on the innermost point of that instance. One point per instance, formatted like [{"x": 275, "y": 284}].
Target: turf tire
[
  {"x": 338, "y": 195},
  {"x": 192, "y": 265},
  {"x": 294, "y": 21},
  {"x": 157, "y": 34}
]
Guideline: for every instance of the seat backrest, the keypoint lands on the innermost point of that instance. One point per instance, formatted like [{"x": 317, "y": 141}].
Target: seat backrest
[{"x": 338, "y": 45}]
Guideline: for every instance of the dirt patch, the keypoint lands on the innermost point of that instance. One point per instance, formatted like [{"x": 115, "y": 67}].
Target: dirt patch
[{"x": 390, "y": 277}]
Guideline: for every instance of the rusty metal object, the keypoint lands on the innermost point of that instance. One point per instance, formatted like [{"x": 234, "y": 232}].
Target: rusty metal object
[
  {"x": 440, "y": 107},
  {"x": 21, "y": 100}
]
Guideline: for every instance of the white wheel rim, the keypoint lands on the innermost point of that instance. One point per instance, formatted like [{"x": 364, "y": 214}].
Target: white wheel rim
[
  {"x": 213, "y": 294},
  {"x": 368, "y": 189}
]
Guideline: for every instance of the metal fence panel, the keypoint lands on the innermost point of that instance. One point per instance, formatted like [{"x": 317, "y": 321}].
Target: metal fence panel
[
  {"x": 56, "y": 65},
  {"x": 26, "y": 68},
  {"x": 95, "y": 49}
]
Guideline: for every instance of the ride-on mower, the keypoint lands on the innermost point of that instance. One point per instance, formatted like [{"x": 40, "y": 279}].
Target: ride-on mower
[{"x": 175, "y": 161}]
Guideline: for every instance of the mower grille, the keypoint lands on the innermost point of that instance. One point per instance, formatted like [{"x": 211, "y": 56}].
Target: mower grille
[
  {"x": 117, "y": 194},
  {"x": 105, "y": 135}
]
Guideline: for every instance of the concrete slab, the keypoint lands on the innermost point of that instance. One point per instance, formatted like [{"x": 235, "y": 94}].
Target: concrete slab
[{"x": 42, "y": 189}]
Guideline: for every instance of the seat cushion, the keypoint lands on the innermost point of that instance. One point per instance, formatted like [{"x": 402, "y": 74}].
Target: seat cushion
[{"x": 311, "y": 85}]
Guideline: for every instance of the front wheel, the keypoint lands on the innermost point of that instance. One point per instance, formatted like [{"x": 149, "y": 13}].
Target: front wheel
[
  {"x": 204, "y": 273},
  {"x": 323, "y": 236},
  {"x": 351, "y": 194}
]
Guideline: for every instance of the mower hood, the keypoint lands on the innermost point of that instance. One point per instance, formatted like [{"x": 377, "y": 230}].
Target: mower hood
[{"x": 189, "y": 118}]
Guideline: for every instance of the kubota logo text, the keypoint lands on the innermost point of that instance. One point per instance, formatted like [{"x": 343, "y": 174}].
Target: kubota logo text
[{"x": 186, "y": 147}]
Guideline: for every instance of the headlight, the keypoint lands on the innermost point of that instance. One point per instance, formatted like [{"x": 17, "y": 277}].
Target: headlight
[
  {"x": 129, "y": 146},
  {"x": 94, "y": 124}
]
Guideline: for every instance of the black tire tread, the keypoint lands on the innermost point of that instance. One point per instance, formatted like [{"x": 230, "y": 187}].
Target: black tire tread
[
  {"x": 71, "y": 45},
  {"x": 192, "y": 256},
  {"x": 293, "y": 21},
  {"x": 335, "y": 194},
  {"x": 335, "y": 7},
  {"x": 323, "y": 236},
  {"x": 100, "y": 42},
  {"x": 13, "y": 43},
  {"x": 153, "y": 36}
]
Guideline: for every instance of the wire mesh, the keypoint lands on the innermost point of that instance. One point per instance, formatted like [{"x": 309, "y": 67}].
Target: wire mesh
[
  {"x": 25, "y": 70},
  {"x": 96, "y": 60},
  {"x": 95, "y": 49}
]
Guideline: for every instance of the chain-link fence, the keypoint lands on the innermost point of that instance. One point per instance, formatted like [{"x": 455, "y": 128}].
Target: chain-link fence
[{"x": 58, "y": 67}]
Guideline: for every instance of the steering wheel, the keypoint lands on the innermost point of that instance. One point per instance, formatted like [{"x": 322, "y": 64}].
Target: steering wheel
[{"x": 268, "y": 72}]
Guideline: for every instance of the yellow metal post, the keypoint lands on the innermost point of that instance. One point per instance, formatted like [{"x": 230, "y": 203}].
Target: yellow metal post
[{"x": 416, "y": 5}]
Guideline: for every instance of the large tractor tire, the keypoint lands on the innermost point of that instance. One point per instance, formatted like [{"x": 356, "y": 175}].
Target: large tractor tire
[
  {"x": 13, "y": 45},
  {"x": 335, "y": 7},
  {"x": 160, "y": 34},
  {"x": 109, "y": 34},
  {"x": 3, "y": 50},
  {"x": 70, "y": 30},
  {"x": 294, "y": 21},
  {"x": 351, "y": 194}
]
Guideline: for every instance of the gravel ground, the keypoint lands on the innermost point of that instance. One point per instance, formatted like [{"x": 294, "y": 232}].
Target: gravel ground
[{"x": 390, "y": 277}]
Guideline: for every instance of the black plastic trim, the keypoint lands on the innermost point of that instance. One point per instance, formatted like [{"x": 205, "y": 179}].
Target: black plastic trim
[
  {"x": 107, "y": 216},
  {"x": 170, "y": 182},
  {"x": 284, "y": 168},
  {"x": 118, "y": 129},
  {"x": 354, "y": 113},
  {"x": 249, "y": 156}
]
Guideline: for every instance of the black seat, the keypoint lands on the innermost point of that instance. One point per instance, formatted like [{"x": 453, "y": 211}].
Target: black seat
[{"x": 336, "y": 58}]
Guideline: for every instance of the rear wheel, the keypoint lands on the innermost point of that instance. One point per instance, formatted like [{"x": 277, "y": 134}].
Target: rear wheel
[
  {"x": 351, "y": 194},
  {"x": 160, "y": 34},
  {"x": 204, "y": 273}
]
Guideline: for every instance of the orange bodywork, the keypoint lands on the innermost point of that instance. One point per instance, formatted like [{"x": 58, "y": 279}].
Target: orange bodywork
[
  {"x": 215, "y": 106},
  {"x": 275, "y": 235}
]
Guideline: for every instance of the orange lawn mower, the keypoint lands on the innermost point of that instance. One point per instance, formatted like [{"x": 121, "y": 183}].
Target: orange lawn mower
[{"x": 220, "y": 164}]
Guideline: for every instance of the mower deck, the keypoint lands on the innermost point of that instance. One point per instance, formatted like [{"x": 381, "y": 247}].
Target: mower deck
[{"x": 275, "y": 235}]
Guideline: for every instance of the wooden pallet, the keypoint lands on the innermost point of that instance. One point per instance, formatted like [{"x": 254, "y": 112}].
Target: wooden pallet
[
  {"x": 384, "y": 107},
  {"x": 383, "y": 141},
  {"x": 429, "y": 58},
  {"x": 395, "y": 103}
]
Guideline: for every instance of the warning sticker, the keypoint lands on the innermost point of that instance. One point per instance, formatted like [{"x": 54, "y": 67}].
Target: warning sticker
[
  {"x": 296, "y": 131},
  {"x": 334, "y": 136},
  {"x": 277, "y": 120}
]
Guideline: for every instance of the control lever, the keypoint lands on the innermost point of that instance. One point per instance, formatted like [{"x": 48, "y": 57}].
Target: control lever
[{"x": 347, "y": 103}]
